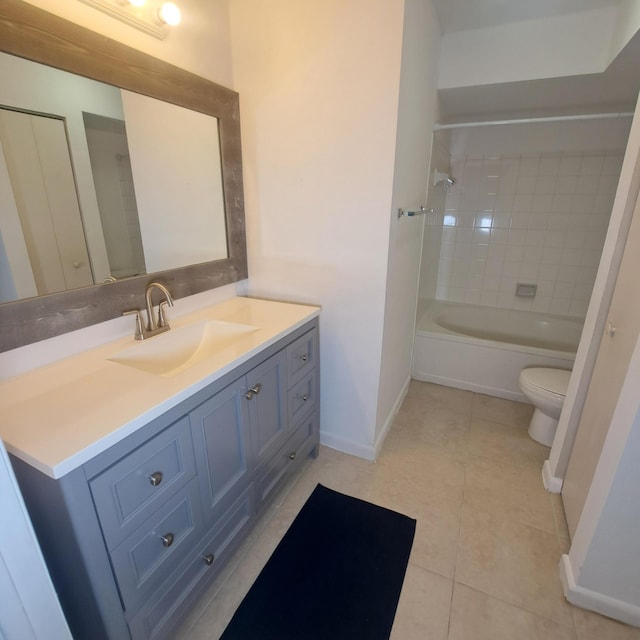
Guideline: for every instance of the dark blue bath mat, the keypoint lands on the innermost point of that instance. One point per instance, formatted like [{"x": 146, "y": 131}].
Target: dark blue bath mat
[{"x": 336, "y": 575}]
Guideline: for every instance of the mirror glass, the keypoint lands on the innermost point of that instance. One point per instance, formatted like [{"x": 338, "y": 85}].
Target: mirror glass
[{"x": 99, "y": 183}]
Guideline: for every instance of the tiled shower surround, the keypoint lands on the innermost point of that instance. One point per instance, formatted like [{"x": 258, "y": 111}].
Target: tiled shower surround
[{"x": 535, "y": 218}]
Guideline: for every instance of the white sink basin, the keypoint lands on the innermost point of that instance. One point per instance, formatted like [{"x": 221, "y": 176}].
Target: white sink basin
[{"x": 178, "y": 349}]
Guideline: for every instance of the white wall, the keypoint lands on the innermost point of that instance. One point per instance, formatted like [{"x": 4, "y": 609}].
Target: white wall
[
  {"x": 567, "y": 45},
  {"x": 612, "y": 565},
  {"x": 417, "y": 114},
  {"x": 627, "y": 25},
  {"x": 319, "y": 83},
  {"x": 29, "y": 607},
  {"x": 601, "y": 570}
]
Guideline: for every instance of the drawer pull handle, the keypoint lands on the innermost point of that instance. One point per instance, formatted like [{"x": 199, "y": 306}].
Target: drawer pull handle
[
  {"x": 292, "y": 455},
  {"x": 155, "y": 478},
  {"x": 167, "y": 539},
  {"x": 304, "y": 358},
  {"x": 304, "y": 398},
  {"x": 254, "y": 391},
  {"x": 208, "y": 559}
]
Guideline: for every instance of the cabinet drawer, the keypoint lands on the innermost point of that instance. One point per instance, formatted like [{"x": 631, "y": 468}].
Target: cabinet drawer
[
  {"x": 302, "y": 398},
  {"x": 157, "y": 616},
  {"x": 287, "y": 459},
  {"x": 301, "y": 357},
  {"x": 149, "y": 554},
  {"x": 130, "y": 490}
]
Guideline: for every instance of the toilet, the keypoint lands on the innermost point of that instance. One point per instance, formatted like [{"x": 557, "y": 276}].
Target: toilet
[{"x": 546, "y": 389}]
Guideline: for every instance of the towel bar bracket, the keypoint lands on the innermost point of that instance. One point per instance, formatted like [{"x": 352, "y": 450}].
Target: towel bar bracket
[{"x": 409, "y": 214}]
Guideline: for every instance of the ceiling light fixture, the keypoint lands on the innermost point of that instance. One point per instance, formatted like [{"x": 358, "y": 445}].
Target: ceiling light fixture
[
  {"x": 154, "y": 17},
  {"x": 169, "y": 13}
]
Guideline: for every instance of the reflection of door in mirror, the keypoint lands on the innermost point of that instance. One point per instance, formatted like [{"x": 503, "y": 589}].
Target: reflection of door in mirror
[
  {"x": 115, "y": 192},
  {"x": 40, "y": 201},
  {"x": 174, "y": 217}
]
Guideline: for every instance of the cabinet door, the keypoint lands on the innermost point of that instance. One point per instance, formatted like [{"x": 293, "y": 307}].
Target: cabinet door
[
  {"x": 220, "y": 429},
  {"x": 267, "y": 406}
]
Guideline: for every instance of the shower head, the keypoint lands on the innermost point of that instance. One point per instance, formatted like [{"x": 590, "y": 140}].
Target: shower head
[{"x": 442, "y": 179}]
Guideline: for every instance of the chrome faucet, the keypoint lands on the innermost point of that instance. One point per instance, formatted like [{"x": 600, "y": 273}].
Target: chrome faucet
[
  {"x": 153, "y": 327},
  {"x": 162, "y": 324}
]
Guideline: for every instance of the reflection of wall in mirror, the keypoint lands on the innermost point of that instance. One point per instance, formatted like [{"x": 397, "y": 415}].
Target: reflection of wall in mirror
[
  {"x": 40, "y": 89},
  {"x": 115, "y": 191},
  {"x": 183, "y": 177}
]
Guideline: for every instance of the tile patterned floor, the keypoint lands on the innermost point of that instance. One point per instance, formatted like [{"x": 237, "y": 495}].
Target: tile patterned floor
[{"x": 484, "y": 564}]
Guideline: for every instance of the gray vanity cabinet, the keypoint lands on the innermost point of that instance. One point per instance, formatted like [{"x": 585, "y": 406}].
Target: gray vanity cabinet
[
  {"x": 268, "y": 406},
  {"x": 134, "y": 536},
  {"x": 222, "y": 442}
]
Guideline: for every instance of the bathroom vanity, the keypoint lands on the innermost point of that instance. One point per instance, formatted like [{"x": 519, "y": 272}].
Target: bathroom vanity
[{"x": 144, "y": 466}]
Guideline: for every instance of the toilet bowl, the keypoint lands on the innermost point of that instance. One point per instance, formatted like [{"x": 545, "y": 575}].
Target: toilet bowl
[{"x": 546, "y": 389}]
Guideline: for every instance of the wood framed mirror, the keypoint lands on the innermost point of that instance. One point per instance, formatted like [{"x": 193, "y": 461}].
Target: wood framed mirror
[{"x": 33, "y": 34}]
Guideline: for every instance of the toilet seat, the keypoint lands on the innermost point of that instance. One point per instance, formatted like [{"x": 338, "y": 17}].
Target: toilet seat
[{"x": 554, "y": 381}]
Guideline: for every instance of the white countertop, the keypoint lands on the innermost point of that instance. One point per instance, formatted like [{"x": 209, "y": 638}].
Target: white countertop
[{"x": 59, "y": 416}]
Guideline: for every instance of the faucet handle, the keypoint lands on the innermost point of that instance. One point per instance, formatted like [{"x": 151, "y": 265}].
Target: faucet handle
[
  {"x": 139, "y": 335},
  {"x": 163, "y": 320}
]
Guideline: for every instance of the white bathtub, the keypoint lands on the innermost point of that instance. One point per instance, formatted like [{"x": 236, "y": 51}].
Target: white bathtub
[{"x": 484, "y": 349}]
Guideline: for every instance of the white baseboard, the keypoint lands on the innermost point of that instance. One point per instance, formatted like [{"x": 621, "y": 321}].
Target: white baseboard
[
  {"x": 553, "y": 484},
  {"x": 366, "y": 451},
  {"x": 377, "y": 447},
  {"x": 595, "y": 601},
  {"x": 347, "y": 446}
]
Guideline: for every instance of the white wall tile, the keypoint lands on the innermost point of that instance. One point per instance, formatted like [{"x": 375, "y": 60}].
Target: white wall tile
[
  {"x": 560, "y": 306},
  {"x": 589, "y": 184},
  {"x": 532, "y": 217},
  {"x": 576, "y": 239},
  {"x": 549, "y": 165},
  {"x": 517, "y": 236},
  {"x": 529, "y": 271},
  {"x": 612, "y": 165},
  {"x": 554, "y": 238},
  {"x": 591, "y": 165},
  {"x": 523, "y": 304},
  {"x": 608, "y": 184},
  {"x": 541, "y": 203},
  {"x": 535, "y": 238},
  {"x": 529, "y": 166},
  {"x": 563, "y": 290},
  {"x": 499, "y": 236},
  {"x": 569, "y": 165},
  {"x": 548, "y": 272},
  {"x": 532, "y": 254},
  {"x": 493, "y": 267}
]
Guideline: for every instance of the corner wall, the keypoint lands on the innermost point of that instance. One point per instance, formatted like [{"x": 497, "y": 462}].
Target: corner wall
[
  {"x": 417, "y": 114},
  {"x": 318, "y": 84}
]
